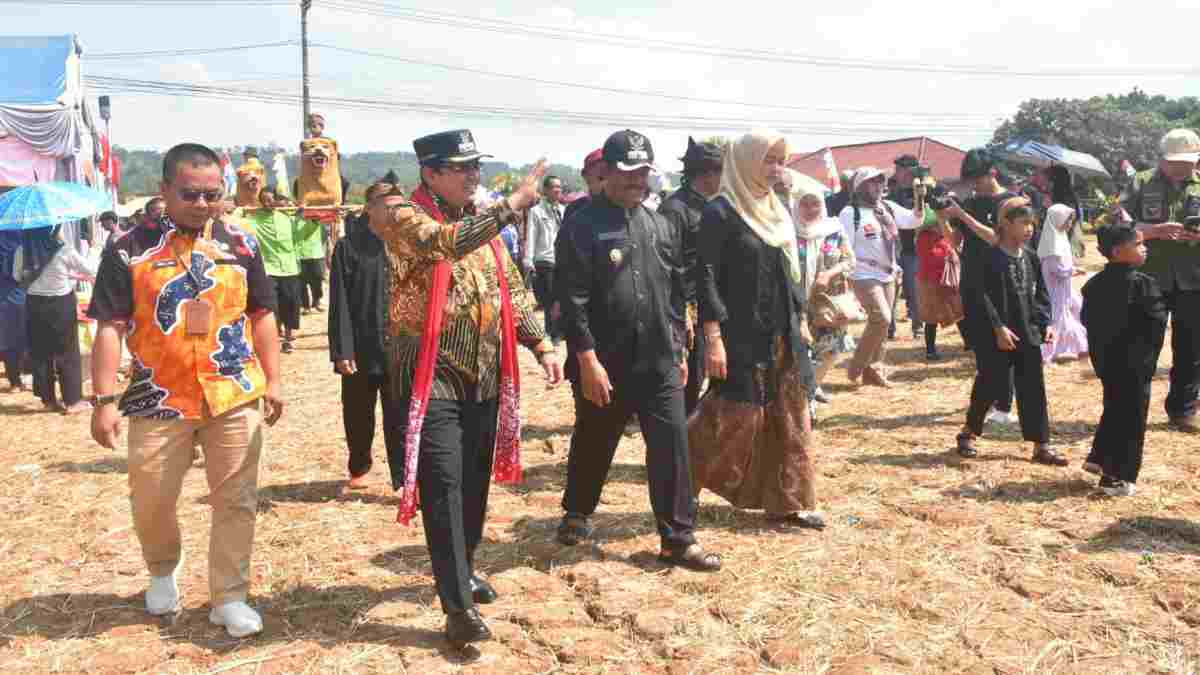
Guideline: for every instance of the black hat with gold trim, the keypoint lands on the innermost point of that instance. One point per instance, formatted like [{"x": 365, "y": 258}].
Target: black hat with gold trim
[{"x": 447, "y": 147}]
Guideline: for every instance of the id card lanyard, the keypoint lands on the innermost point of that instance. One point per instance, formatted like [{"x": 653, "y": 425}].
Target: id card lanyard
[
  {"x": 187, "y": 266},
  {"x": 197, "y": 313}
]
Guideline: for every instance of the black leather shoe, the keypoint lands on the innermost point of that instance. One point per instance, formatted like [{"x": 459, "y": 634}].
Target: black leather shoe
[
  {"x": 463, "y": 628},
  {"x": 482, "y": 592}
]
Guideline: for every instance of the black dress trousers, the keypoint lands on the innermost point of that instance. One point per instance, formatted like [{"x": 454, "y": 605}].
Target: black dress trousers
[
  {"x": 454, "y": 475},
  {"x": 1121, "y": 434},
  {"x": 360, "y": 392},
  {"x": 1185, "y": 350},
  {"x": 658, "y": 401},
  {"x": 996, "y": 369}
]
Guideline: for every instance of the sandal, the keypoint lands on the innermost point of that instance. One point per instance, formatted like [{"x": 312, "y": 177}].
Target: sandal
[
  {"x": 966, "y": 445},
  {"x": 1044, "y": 454},
  {"x": 575, "y": 528},
  {"x": 692, "y": 557}
]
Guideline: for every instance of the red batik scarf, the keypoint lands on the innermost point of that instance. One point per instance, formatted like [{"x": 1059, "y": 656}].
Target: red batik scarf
[{"x": 507, "y": 463}]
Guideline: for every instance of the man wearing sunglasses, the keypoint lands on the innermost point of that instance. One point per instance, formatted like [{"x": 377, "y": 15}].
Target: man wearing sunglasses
[
  {"x": 197, "y": 310},
  {"x": 458, "y": 310}
]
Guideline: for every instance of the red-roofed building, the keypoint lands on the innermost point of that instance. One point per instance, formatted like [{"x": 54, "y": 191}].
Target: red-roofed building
[{"x": 944, "y": 161}]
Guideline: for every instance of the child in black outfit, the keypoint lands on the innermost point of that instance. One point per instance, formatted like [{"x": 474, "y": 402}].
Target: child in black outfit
[
  {"x": 1011, "y": 292},
  {"x": 1126, "y": 319}
]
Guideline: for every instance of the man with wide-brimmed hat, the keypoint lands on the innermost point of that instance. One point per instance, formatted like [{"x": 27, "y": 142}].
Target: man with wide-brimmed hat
[
  {"x": 457, "y": 311},
  {"x": 625, "y": 322},
  {"x": 1164, "y": 203},
  {"x": 701, "y": 182}
]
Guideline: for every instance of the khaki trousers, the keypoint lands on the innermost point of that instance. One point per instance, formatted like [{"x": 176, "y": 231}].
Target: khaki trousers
[
  {"x": 877, "y": 298},
  {"x": 160, "y": 454}
]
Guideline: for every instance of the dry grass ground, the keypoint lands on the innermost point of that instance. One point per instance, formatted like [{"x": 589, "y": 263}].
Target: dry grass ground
[{"x": 931, "y": 563}]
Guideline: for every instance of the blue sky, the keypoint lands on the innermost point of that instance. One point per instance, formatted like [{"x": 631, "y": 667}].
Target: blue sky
[{"x": 1020, "y": 34}]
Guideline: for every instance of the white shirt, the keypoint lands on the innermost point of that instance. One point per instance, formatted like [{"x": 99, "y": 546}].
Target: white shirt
[
  {"x": 544, "y": 220},
  {"x": 55, "y": 280},
  {"x": 875, "y": 256}
]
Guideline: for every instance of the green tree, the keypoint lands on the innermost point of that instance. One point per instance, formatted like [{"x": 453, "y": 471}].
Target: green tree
[{"x": 1112, "y": 128}]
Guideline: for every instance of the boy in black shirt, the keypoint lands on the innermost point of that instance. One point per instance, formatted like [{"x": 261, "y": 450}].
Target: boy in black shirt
[
  {"x": 1015, "y": 308},
  {"x": 1126, "y": 319}
]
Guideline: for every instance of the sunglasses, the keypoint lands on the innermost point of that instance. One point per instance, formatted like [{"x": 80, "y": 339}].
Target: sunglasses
[{"x": 193, "y": 196}]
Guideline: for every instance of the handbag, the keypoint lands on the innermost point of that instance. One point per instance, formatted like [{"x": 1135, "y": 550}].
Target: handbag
[
  {"x": 952, "y": 272},
  {"x": 829, "y": 310}
]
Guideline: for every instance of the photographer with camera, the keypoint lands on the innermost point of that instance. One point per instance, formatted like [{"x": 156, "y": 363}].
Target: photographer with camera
[
  {"x": 901, "y": 189},
  {"x": 1164, "y": 205}
]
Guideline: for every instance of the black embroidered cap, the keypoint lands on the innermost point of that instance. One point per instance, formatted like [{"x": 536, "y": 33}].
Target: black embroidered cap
[
  {"x": 628, "y": 151},
  {"x": 447, "y": 147}
]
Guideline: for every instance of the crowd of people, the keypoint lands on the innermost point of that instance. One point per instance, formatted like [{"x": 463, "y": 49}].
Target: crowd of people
[{"x": 713, "y": 315}]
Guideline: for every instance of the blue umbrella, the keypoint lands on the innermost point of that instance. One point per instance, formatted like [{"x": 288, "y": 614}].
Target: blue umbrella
[{"x": 49, "y": 204}]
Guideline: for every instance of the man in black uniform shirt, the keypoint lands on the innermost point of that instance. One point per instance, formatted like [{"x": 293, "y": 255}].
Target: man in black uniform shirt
[
  {"x": 701, "y": 182},
  {"x": 625, "y": 322}
]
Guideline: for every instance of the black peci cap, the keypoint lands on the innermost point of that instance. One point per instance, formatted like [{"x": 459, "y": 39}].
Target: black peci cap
[
  {"x": 447, "y": 147},
  {"x": 907, "y": 161},
  {"x": 701, "y": 154},
  {"x": 628, "y": 151}
]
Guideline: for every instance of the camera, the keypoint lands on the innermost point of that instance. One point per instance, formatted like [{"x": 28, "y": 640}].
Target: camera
[
  {"x": 1191, "y": 214},
  {"x": 941, "y": 200}
]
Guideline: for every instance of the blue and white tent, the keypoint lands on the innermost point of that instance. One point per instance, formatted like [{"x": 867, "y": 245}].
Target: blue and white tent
[{"x": 43, "y": 103}]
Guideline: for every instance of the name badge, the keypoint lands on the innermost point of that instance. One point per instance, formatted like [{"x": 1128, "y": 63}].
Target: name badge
[
  {"x": 197, "y": 317},
  {"x": 610, "y": 236}
]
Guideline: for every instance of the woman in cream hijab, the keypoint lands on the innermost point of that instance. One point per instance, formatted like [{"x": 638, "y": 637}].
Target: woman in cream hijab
[
  {"x": 825, "y": 261},
  {"x": 750, "y": 438}
]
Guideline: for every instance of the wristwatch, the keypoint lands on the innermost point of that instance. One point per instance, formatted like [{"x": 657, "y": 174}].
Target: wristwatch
[{"x": 98, "y": 401}]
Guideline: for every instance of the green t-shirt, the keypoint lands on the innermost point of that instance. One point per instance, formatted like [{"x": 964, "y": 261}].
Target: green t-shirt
[
  {"x": 277, "y": 238},
  {"x": 310, "y": 239}
]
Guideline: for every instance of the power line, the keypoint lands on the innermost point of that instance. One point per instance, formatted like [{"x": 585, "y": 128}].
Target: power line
[
  {"x": 652, "y": 94},
  {"x": 554, "y": 116},
  {"x": 504, "y": 27},
  {"x": 149, "y": 3},
  {"x": 125, "y": 56}
]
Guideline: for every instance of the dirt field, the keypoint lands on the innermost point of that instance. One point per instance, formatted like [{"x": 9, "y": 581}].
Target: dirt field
[{"x": 930, "y": 563}]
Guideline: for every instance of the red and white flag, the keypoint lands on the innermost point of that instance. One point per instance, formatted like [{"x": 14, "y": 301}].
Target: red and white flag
[{"x": 832, "y": 180}]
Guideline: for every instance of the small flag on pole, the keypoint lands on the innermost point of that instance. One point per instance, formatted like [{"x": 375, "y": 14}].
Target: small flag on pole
[{"x": 832, "y": 180}]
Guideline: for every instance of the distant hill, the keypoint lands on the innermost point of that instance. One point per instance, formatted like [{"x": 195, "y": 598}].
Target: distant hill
[{"x": 141, "y": 170}]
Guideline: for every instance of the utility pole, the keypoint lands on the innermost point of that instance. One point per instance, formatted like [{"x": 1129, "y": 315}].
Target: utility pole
[{"x": 305, "y": 5}]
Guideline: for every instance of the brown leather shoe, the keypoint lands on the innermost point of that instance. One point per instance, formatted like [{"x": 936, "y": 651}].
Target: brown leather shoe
[
  {"x": 1188, "y": 425},
  {"x": 1044, "y": 454}
]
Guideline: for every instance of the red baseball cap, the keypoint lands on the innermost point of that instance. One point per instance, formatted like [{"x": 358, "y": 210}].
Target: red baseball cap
[{"x": 594, "y": 157}]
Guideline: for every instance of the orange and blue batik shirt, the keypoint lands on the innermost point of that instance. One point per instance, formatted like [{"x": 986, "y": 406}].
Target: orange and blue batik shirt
[{"x": 142, "y": 282}]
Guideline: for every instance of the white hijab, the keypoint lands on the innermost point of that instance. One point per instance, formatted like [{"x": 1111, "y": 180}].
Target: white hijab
[
  {"x": 811, "y": 234},
  {"x": 1056, "y": 239},
  {"x": 744, "y": 183}
]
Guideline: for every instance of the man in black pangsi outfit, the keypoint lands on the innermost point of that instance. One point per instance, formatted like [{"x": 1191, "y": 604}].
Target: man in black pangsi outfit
[
  {"x": 701, "y": 182},
  {"x": 358, "y": 315},
  {"x": 625, "y": 322}
]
